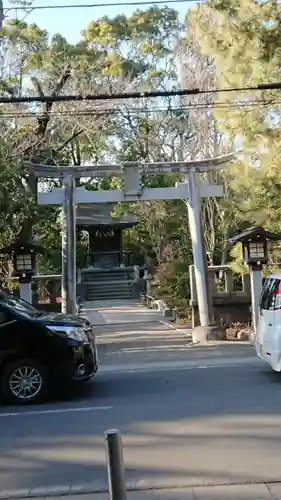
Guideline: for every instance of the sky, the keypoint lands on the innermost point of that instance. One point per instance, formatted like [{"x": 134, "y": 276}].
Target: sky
[{"x": 70, "y": 22}]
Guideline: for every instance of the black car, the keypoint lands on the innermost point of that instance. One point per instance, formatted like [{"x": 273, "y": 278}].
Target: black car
[{"x": 38, "y": 349}]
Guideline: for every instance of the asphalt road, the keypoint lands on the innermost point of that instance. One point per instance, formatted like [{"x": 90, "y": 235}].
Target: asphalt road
[{"x": 212, "y": 416}]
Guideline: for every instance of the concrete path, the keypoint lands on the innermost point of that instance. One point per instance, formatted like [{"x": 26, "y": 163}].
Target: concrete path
[
  {"x": 130, "y": 332},
  {"x": 119, "y": 312},
  {"x": 263, "y": 491}
]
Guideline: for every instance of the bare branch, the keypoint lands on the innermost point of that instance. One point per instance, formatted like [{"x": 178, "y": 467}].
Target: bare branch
[
  {"x": 69, "y": 140},
  {"x": 62, "y": 81},
  {"x": 37, "y": 85}
]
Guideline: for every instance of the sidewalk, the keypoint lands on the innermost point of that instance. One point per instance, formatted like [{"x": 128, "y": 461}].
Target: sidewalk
[
  {"x": 235, "y": 492},
  {"x": 119, "y": 312},
  {"x": 263, "y": 491}
]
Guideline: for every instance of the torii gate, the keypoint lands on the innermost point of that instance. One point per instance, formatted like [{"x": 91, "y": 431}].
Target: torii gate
[{"x": 68, "y": 196}]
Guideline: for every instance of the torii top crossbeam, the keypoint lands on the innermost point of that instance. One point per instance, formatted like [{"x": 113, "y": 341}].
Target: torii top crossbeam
[{"x": 102, "y": 170}]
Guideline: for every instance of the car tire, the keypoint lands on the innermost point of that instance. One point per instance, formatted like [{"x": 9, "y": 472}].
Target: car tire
[{"x": 24, "y": 381}]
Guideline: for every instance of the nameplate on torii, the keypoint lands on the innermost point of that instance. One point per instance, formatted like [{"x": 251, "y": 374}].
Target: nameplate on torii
[{"x": 82, "y": 196}]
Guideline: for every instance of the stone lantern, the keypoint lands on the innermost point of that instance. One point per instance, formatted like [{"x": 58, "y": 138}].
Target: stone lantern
[
  {"x": 254, "y": 242},
  {"x": 24, "y": 264}
]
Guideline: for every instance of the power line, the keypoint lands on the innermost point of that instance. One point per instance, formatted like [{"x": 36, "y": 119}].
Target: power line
[
  {"x": 135, "y": 95},
  {"x": 170, "y": 109},
  {"x": 136, "y": 111},
  {"x": 106, "y": 4}
]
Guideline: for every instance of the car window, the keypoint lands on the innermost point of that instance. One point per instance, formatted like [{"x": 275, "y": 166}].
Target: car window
[
  {"x": 18, "y": 305},
  {"x": 3, "y": 317},
  {"x": 6, "y": 314},
  {"x": 269, "y": 292},
  {"x": 264, "y": 292}
]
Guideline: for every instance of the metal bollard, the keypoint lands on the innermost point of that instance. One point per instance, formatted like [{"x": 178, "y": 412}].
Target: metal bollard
[{"x": 115, "y": 466}]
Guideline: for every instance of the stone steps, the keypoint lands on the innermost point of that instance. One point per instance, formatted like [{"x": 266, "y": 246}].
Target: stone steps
[{"x": 106, "y": 284}]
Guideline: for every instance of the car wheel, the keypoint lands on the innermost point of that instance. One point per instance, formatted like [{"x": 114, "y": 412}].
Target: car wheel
[{"x": 24, "y": 381}]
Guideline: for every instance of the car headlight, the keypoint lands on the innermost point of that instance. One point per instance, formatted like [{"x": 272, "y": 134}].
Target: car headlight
[{"x": 71, "y": 331}]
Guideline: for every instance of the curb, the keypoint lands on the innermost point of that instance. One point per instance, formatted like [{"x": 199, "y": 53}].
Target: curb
[
  {"x": 211, "y": 343},
  {"x": 200, "y": 364},
  {"x": 127, "y": 323},
  {"x": 84, "y": 489},
  {"x": 183, "y": 331}
]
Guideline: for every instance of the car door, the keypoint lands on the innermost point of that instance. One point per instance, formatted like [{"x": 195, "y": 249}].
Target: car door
[
  {"x": 266, "y": 327},
  {"x": 7, "y": 328}
]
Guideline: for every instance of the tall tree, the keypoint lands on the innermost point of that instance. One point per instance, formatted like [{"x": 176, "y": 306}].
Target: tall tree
[
  {"x": 116, "y": 54},
  {"x": 243, "y": 40}
]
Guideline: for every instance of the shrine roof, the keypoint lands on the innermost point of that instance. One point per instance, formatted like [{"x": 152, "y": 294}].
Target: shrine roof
[{"x": 97, "y": 215}]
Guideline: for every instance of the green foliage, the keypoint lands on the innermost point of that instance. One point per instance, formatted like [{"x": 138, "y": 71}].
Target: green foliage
[
  {"x": 232, "y": 43},
  {"x": 113, "y": 54},
  {"x": 243, "y": 40}
]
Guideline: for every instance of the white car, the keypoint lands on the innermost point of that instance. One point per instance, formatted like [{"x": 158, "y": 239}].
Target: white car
[{"x": 268, "y": 338}]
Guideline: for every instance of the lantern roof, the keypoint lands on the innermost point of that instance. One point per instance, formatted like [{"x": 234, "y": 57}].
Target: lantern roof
[
  {"x": 257, "y": 233},
  {"x": 20, "y": 247}
]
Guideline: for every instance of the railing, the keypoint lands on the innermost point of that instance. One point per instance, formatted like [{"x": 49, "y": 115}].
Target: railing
[
  {"x": 223, "y": 283},
  {"x": 108, "y": 259},
  {"x": 231, "y": 295},
  {"x": 46, "y": 291},
  {"x": 47, "y": 287}
]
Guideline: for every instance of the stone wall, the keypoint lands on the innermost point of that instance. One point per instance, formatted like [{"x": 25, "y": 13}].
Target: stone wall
[{"x": 231, "y": 296}]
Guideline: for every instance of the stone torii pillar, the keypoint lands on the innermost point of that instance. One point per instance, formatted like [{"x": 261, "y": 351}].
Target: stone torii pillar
[{"x": 68, "y": 250}]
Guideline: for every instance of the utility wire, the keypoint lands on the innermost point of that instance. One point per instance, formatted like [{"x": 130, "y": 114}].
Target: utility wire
[
  {"x": 106, "y": 4},
  {"x": 153, "y": 109},
  {"x": 135, "y": 111},
  {"x": 134, "y": 95}
]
